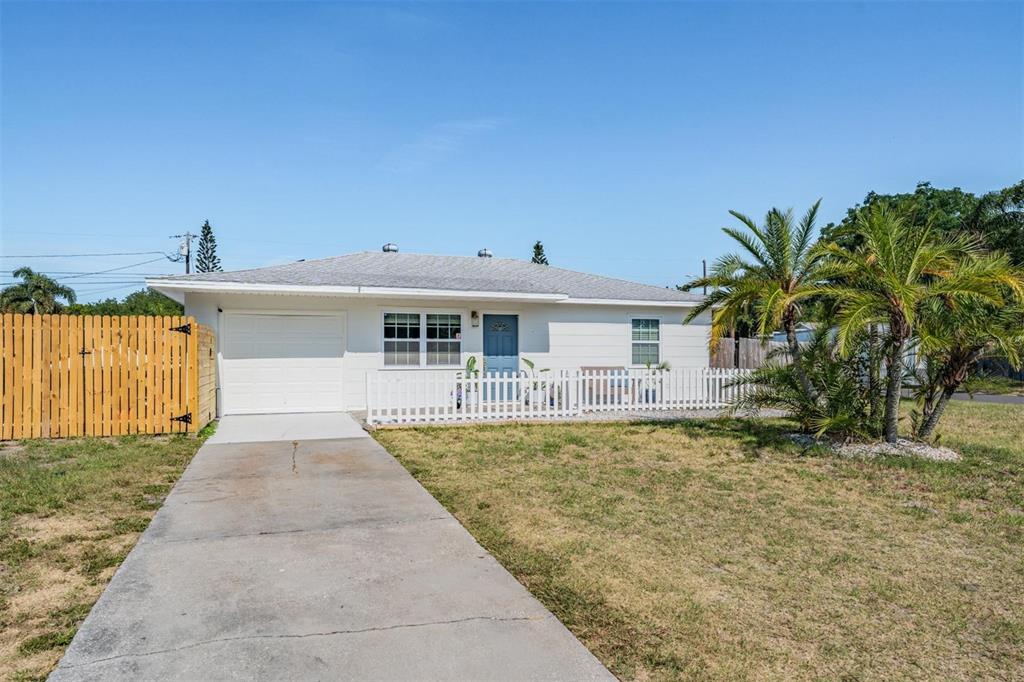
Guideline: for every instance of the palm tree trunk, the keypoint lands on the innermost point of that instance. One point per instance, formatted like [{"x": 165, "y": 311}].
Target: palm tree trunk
[
  {"x": 954, "y": 375},
  {"x": 874, "y": 378},
  {"x": 932, "y": 420},
  {"x": 794, "y": 352},
  {"x": 894, "y": 383}
]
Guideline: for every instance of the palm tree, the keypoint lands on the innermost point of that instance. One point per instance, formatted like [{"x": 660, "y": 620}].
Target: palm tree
[
  {"x": 772, "y": 279},
  {"x": 953, "y": 338},
  {"x": 36, "y": 293},
  {"x": 896, "y": 270}
]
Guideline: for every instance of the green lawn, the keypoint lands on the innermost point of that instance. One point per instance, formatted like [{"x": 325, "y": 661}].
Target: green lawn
[
  {"x": 718, "y": 550},
  {"x": 69, "y": 513}
]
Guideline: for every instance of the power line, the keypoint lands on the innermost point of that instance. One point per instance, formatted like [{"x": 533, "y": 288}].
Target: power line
[
  {"x": 107, "y": 290},
  {"x": 90, "y": 255},
  {"x": 62, "y": 272},
  {"x": 123, "y": 267},
  {"x": 98, "y": 277},
  {"x": 86, "y": 285},
  {"x": 105, "y": 285},
  {"x": 83, "y": 282}
]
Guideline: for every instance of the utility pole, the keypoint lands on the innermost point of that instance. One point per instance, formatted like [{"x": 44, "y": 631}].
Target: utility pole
[
  {"x": 185, "y": 248},
  {"x": 704, "y": 265}
]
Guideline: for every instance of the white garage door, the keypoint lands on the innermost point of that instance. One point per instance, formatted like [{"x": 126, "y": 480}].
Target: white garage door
[{"x": 281, "y": 363}]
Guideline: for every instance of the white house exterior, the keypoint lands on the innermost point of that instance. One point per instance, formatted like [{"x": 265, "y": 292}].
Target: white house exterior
[{"x": 302, "y": 337}]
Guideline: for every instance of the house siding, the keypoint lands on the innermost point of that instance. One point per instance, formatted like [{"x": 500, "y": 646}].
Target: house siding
[{"x": 553, "y": 336}]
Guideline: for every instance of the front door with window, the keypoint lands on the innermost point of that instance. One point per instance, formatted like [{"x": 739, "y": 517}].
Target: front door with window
[{"x": 501, "y": 344}]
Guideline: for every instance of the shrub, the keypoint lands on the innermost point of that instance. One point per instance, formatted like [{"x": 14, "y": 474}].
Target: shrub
[{"x": 848, "y": 402}]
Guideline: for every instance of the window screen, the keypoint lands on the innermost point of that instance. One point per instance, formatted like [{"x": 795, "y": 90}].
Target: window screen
[
  {"x": 401, "y": 339},
  {"x": 444, "y": 339},
  {"x": 646, "y": 339}
]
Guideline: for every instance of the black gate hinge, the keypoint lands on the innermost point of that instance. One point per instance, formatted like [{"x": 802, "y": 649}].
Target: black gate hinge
[
  {"x": 184, "y": 329},
  {"x": 186, "y": 418}
]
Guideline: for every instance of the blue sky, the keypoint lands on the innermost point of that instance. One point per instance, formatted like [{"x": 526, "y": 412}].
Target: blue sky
[{"x": 619, "y": 134}]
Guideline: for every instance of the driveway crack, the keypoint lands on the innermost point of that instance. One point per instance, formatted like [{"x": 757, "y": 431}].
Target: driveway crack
[
  {"x": 328, "y": 633},
  {"x": 362, "y": 523}
]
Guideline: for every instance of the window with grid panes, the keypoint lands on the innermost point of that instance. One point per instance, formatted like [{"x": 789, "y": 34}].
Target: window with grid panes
[
  {"x": 416, "y": 339},
  {"x": 401, "y": 339},
  {"x": 646, "y": 341},
  {"x": 444, "y": 339}
]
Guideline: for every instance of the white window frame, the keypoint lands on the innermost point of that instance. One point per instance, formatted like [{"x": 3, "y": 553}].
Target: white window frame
[
  {"x": 423, "y": 340},
  {"x": 661, "y": 332}
]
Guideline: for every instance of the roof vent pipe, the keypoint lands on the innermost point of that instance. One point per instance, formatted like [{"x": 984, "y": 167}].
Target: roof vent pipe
[
  {"x": 390, "y": 248},
  {"x": 484, "y": 253}
]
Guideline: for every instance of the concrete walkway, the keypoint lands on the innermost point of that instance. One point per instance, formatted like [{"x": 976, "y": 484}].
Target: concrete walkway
[
  {"x": 314, "y": 559},
  {"x": 258, "y": 428}
]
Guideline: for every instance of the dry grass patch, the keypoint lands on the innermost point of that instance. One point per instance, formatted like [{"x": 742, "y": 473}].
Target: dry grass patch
[
  {"x": 70, "y": 511},
  {"x": 719, "y": 550}
]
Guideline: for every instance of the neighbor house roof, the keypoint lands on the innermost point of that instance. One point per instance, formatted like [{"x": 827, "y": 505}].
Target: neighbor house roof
[{"x": 381, "y": 273}]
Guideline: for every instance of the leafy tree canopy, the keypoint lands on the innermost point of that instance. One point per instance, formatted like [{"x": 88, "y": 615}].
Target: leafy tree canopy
[
  {"x": 143, "y": 302},
  {"x": 996, "y": 218},
  {"x": 999, "y": 219}
]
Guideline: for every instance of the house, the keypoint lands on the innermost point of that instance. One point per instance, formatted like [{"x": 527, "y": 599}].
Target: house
[
  {"x": 804, "y": 333},
  {"x": 304, "y": 336}
]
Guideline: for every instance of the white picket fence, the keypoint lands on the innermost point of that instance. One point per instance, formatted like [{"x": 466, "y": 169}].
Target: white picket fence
[{"x": 424, "y": 397}]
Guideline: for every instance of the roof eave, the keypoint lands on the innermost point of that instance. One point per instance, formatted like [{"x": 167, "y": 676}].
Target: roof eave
[
  {"x": 643, "y": 303},
  {"x": 181, "y": 286},
  {"x": 176, "y": 289}
]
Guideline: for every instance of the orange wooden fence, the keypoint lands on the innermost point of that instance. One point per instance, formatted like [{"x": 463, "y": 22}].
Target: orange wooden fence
[{"x": 92, "y": 375}]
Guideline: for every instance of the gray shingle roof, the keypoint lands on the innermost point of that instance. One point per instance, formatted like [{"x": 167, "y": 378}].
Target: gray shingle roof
[{"x": 457, "y": 273}]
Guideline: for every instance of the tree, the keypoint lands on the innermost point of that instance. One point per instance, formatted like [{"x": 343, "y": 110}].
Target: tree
[
  {"x": 996, "y": 218},
  {"x": 772, "y": 281},
  {"x": 897, "y": 269},
  {"x": 36, "y": 293},
  {"x": 206, "y": 256},
  {"x": 538, "y": 254},
  {"x": 953, "y": 338},
  {"x": 142, "y": 302}
]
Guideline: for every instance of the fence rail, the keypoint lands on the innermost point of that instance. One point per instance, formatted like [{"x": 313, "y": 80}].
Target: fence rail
[
  {"x": 424, "y": 397},
  {"x": 90, "y": 375}
]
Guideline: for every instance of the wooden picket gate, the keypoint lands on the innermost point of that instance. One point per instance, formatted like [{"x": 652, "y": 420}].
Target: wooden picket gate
[{"x": 91, "y": 375}]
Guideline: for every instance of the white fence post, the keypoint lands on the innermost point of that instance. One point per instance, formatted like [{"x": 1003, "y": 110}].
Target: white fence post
[{"x": 369, "y": 400}]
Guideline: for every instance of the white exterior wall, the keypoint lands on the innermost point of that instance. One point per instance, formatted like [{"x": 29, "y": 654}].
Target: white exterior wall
[{"x": 552, "y": 335}]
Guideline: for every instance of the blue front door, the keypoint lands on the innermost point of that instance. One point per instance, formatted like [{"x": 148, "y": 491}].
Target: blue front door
[{"x": 501, "y": 345}]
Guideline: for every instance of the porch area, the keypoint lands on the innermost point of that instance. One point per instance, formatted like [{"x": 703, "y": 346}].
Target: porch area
[{"x": 438, "y": 397}]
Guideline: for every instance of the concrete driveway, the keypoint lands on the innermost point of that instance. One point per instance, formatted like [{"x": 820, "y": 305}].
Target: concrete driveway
[{"x": 314, "y": 559}]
